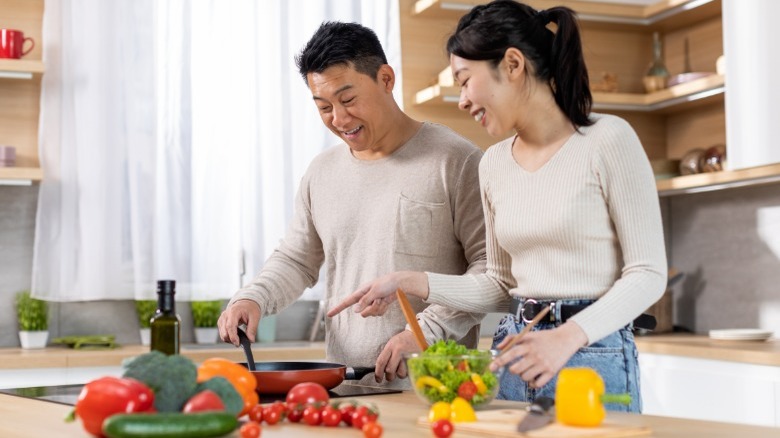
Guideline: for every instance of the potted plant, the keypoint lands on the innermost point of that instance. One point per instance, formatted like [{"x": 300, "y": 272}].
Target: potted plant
[
  {"x": 33, "y": 317},
  {"x": 204, "y": 317},
  {"x": 145, "y": 309}
]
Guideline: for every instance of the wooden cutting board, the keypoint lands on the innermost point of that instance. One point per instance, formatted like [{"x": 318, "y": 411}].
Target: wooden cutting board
[{"x": 503, "y": 422}]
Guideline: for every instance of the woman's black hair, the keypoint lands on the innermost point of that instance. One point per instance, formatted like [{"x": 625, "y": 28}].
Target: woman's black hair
[
  {"x": 337, "y": 43},
  {"x": 487, "y": 31}
]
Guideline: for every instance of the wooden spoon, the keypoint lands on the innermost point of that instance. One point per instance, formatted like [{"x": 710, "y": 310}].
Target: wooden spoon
[{"x": 411, "y": 319}]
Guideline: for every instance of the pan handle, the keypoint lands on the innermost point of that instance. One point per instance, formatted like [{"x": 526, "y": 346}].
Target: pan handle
[
  {"x": 250, "y": 360},
  {"x": 357, "y": 373}
]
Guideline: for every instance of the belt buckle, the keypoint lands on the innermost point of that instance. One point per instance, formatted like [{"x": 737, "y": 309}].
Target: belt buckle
[{"x": 532, "y": 301}]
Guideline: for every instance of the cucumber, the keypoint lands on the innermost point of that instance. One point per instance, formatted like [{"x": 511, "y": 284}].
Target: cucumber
[{"x": 170, "y": 425}]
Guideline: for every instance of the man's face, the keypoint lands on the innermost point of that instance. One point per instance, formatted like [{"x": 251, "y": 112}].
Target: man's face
[{"x": 353, "y": 105}]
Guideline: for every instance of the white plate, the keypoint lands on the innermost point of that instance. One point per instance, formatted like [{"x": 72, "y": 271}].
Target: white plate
[{"x": 741, "y": 334}]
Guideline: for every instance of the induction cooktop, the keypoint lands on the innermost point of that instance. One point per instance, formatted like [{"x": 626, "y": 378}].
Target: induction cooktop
[{"x": 68, "y": 394}]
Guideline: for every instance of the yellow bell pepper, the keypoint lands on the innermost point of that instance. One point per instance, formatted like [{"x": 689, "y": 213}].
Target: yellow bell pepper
[
  {"x": 461, "y": 411},
  {"x": 481, "y": 387},
  {"x": 433, "y": 382},
  {"x": 440, "y": 410},
  {"x": 579, "y": 397}
]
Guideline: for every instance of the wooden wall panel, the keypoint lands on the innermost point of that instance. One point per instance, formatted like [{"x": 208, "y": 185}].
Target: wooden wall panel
[{"x": 702, "y": 128}]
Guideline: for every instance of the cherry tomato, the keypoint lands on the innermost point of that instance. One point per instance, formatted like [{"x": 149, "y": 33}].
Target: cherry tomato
[
  {"x": 294, "y": 412},
  {"x": 372, "y": 430},
  {"x": 280, "y": 406},
  {"x": 363, "y": 415},
  {"x": 346, "y": 410},
  {"x": 271, "y": 415},
  {"x": 206, "y": 400},
  {"x": 250, "y": 430},
  {"x": 442, "y": 428},
  {"x": 331, "y": 416},
  {"x": 463, "y": 366},
  {"x": 312, "y": 415},
  {"x": 307, "y": 392},
  {"x": 467, "y": 390},
  {"x": 256, "y": 413}
]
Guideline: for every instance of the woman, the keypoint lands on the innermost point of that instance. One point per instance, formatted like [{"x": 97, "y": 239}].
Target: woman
[{"x": 571, "y": 210}]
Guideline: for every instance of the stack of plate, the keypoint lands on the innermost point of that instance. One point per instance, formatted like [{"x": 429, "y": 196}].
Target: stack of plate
[{"x": 741, "y": 334}]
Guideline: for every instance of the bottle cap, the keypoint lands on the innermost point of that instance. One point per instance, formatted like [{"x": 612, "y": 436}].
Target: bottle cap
[{"x": 166, "y": 286}]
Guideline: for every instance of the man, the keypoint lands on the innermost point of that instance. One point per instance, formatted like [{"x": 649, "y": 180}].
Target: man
[{"x": 398, "y": 194}]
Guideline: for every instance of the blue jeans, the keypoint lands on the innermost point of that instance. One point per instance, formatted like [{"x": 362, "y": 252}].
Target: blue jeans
[{"x": 613, "y": 357}]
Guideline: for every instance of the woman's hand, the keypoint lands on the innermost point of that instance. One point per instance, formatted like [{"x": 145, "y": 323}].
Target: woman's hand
[
  {"x": 240, "y": 312},
  {"x": 373, "y": 298},
  {"x": 541, "y": 353}
]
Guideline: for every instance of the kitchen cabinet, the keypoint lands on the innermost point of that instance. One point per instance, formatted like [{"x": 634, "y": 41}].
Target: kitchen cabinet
[
  {"x": 617, "y": 38},
  {"x": 20, "y": 92}
]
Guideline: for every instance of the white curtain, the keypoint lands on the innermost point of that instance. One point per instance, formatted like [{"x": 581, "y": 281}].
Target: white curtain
[{"x": 173, "y": 136}]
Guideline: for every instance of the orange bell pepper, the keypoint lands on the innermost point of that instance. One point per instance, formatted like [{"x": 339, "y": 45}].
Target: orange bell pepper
[
  {"x": 240, "y": 377},
  {"x": 579, "y": 397}
]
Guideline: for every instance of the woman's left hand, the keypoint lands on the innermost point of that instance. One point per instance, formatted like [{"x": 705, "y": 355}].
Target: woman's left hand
[{"x": 541, "y": 353}]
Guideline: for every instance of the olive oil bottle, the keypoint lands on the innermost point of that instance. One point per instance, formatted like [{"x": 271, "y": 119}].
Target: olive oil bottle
[{"x": 166, "y": 324}]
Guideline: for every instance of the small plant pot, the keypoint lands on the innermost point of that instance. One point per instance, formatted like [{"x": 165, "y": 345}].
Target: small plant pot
[
  {"x": 33, "y": 339},
  {"x": 206, "y": 335},
  {"x": 146, "y": 336}
]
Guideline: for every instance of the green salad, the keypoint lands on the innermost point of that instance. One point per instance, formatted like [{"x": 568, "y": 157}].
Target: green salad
[{"x": 446, "y": 370}]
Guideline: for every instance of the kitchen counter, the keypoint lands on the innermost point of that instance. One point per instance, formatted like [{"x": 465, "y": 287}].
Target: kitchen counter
[
  {"x": 683, "y": 345},
  {"x": 23, "y": 417},
  {"x": 63, "y": 357}
]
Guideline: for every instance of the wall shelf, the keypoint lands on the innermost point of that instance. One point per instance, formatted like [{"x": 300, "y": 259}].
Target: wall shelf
[
  {"x": 20, "y": 68},
  {"x": 16, "y": 176},
  {"x": 705, "y": 182},
  {"x": 666, "y": 15}
]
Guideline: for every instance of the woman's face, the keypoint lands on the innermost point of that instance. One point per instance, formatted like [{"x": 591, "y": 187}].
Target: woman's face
[{"x": 484, "y": 94}]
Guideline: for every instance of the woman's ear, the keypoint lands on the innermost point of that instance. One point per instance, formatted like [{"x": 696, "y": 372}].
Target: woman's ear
[{"x": 514, "y": 63}]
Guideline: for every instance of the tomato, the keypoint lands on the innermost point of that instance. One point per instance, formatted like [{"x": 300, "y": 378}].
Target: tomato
[
  {"x": 294, "y": 412},
  {"x": 331, "y": 416},
  {"x": 372, "y": 430},
  {"x": 442, "y": 428},
  {"x": 271, "y": 415},
  {"x": 363, "y": 415},
  {"x": 256, "y": 413},
  {"x": 250, "y": 430},
  {"x": 280, "y": 406},
  {"x": 463, "y": 366},
  {"x": 346, "y": 410},
  {"x": 307, "y": 393},
  {"x": 206, "y": 400},
  {"x": 467, "y": 390},
  {"x": 439, "y": 411},
  {"x": 312, "y": 415}
]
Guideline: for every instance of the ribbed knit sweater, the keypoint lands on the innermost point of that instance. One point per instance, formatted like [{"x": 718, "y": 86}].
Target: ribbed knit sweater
[
  {"x": 586, "y": 225},
  {"x": 418, "y": 209}
]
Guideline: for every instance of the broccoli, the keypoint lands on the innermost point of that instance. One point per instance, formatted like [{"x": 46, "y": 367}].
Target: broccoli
[
  {"x": 172, "y": 378},
  {"x": 232, "y": 400}
]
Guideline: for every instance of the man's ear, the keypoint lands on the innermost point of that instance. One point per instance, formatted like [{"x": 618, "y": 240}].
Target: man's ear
[
  {"x": 386, "y": 77},
  {"x": 514, "y": 62}
]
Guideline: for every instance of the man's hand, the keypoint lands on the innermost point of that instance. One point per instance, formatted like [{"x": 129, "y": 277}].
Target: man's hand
[
  {"x": 390, "y": 363},
  {"x": 241, "y": 312}
]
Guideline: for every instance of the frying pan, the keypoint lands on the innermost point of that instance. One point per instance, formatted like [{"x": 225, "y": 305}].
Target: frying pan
[{"x": 280, "y": 377}]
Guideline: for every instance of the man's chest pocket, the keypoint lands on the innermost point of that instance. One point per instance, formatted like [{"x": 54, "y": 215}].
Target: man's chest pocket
[{"x": 417, "y": 227}]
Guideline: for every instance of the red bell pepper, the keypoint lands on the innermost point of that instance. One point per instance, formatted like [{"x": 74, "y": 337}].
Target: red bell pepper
[{"x": 106, "y": 396}]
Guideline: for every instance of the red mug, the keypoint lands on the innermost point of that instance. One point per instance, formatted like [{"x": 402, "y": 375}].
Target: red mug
[{"x": 12, "y": 42}]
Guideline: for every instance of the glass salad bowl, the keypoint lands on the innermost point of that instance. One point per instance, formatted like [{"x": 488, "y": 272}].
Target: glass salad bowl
[{"x": 447, "y": 370}]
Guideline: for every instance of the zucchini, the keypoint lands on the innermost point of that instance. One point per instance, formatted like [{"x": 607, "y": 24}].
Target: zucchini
[{"x": 170, "y": 424}]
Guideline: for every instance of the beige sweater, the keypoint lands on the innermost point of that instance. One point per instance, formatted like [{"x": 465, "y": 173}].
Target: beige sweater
[
  {"x": 418, "y": 209},
  {"x": 587, "y": 225}
]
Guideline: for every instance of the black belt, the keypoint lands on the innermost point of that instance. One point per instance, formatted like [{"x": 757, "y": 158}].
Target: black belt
[{"x": 527, "y": 309}]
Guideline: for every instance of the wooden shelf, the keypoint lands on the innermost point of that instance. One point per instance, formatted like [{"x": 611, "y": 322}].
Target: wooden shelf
[
  {"x": 705, "y": 182},
  {"x": 20, "y": 175},
  {"x": 664, "y": 15},
  {"x": 704, "y": 89},
  {"x": 21, "y": 66}
]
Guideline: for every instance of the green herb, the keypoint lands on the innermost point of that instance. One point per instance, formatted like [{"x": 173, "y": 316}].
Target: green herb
[
  {"x": 206, "y": 313},
  {"x": 32, "y": 313},
  {"x": 145, "y": 309}
]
